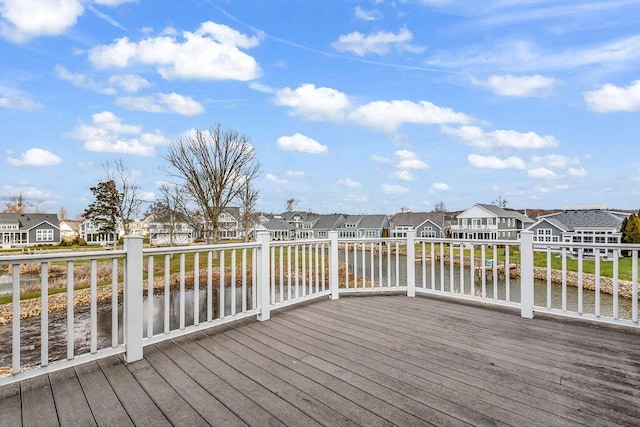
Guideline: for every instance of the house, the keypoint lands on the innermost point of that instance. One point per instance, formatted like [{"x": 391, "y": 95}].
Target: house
[
  {"x": 29, "y": 229},
  {"x": 278, "y": 229},
  {"x": 600, "y": 226},
  {"x": 92, "y": 234},
  {"x": 70, "y": 229},
  {"x": 318, "y": 226},
  {"x": 364, "y": 227},
  {"x": 426, "y": 224},
  {"x": 489, "y": 222},
  {"x": 230, "y": 225},
  {"x": 167, "y": 231}
]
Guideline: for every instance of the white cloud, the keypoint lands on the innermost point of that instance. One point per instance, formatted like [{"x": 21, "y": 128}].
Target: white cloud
[
  {"x": 82, "y": 80},
  {"x": 271, "y": 177},
  {"x": 542, "y": 173},
  {"x": 109, "y": 133},
  {"x": 493, "y": 162},
  {"x": 313, "y": 103},
  {"x": 556, "y": 160},
  {"x": 212, "y": 52},
  {"x": 367, "y": 15},
  {"x": 522, "y": 86},
  {"x": 562, "y": 187},
  {"x": 347, "y": 182},
  {"x": 404, "y": 175},
  {"x": 438, "y": 186},
  {"x": 301, "y": 143},
  {"x": 162, "y": 103},
  {"x": 409, "y": 160},
  {"x": 577, "y": 172},
  {"x": 394, "y": 189},
  {"x": 387, "y": 116},
  {"x": 610, "y": 98},
  {"x": 541, "y": 189},
  {"x": 260, "y": 87},
  {"x": 298, "y": 174},
  {"x": 22, "y": 20},
  {"x": 16, "y": 100},
  {"x": 379, "y": 159},
  {"x": 113, "y": 2},
  {"x": 35, "y": 157},
  {"x": 379, "y": 43},
  {"x": 501, "y": 138},
  {"x": 129, "y": 82}
]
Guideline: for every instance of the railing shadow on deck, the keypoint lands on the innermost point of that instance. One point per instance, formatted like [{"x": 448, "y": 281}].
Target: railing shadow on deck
[{"x": 153, "y": 294}]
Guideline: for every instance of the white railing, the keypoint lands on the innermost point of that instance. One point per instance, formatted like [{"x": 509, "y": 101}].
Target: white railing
[
  {"x": 473, "y": 227},
  {"x": 168, "y": 292}
]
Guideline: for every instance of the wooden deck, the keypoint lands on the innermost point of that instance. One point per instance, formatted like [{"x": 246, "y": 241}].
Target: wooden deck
[{"x": 378, "y": 360}]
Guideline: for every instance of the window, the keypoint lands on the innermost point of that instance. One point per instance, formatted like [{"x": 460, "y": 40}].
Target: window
[
  {"x": 370, "y": 233},
  {"x": 44, "y": 235},
  {"x": 322, "y": 234}
]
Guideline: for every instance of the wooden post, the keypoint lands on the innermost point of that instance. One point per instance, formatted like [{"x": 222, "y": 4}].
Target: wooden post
[
  {"x": 526, "y": 274},
  {"x": 411, "y": 263},
  {"x": 333, "y": 264},
  {"x": 133, "y": 328},
  {"x": 263, "y": 238}
]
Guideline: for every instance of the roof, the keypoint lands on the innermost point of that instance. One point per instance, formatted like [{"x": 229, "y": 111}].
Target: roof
[
  {"x": 329, "y": 222},
  {"x": 27, "y": 221},
  {"x": 505, "y": 213},
  {"x": 414, "y": 219},
  {"x": 371, "y": 221},
  {"x": 278, "y": 224},
  {"x": 585, "y": 218}
]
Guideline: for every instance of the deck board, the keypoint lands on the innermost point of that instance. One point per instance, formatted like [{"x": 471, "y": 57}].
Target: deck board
[{"x": 368, "y": 361}]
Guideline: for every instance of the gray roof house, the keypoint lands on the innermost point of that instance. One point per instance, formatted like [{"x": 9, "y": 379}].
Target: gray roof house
[
  {"x": 278, "y": 229},
  {"x": 599, "y": 226},
  {"x": 426, "y": 224},
  {"x": 364, "y": 227},
  {"x": 29, "y": 229},
  {"x": 489, "y": 222},
  {"x": 318, "y": 226}
]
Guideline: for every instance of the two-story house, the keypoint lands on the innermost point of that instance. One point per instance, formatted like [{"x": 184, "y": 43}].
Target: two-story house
[
  {"x": 364, "y": 227},
  {"x": 489, "y": 222},
  {"x": 600, "y": 226},
  {"x": 29, "y": 229},
  {"x": 426, "y": 224},
  {"x": 92, "y": 234},
  {"x": 169, "y": 230}
]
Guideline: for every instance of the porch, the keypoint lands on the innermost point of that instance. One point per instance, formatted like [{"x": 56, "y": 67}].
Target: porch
[{"x": 374, "y": 360}]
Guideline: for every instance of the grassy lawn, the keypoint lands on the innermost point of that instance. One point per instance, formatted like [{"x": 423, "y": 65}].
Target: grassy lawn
[{"x": 540, "y": 260}]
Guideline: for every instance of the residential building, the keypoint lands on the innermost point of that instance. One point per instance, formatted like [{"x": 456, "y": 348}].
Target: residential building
[
  {"x": 278, "y": 229},
  {"x": 92, "y": 234},
  {"x": 598, "y": 226},
  {"x": 426, "y": 224},
  {"x": 489, "y": 222},
  {"x": 70, "y": 229},
  {"x": 364, "y": 227},
  {"x": 167, "y": 231},
  {"x": 29, "y": 229}
]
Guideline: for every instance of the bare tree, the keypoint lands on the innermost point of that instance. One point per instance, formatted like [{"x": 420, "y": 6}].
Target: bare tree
[
  {"x": 439, "y": 207},
  {"x": 291, "y": 204},
  {"x": 214, "y": 166},
  {"x": 17, "y": 204},
  {"x": 62, "y": 213},
  {"x": 170, "y": 207},
  {"x": 248, "y": 198},
  {"x": 500, "y": 202}
]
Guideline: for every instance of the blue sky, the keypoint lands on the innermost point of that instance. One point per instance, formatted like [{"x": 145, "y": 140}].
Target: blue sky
[{"x": 352, "y": 106}]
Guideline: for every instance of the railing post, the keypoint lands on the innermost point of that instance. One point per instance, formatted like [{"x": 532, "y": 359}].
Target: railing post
[
  {"x": 526, "y": 274},
  {"x": 411, "y": 263},
  {"x": 263, "y": 276},
  {"x": 133, "y": 301},
  {"x": 333, "y": 264}
]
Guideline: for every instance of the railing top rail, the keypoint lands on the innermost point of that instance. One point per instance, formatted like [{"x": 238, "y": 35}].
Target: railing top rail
[
  {"x": 297, "y": 242},
  {"x": 199, "y": 248},
  {"x": 65, "y": 256}
]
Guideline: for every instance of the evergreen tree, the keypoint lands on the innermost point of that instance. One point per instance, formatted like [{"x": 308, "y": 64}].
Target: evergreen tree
[{"x": 103, "y": 212}]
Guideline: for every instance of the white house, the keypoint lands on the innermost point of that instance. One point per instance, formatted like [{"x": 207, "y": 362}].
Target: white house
[{"x": 489, "y": 222}]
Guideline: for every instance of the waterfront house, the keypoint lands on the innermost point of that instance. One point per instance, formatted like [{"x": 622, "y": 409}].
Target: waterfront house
[
  {"x": 278, "y": 229},
  {"x": 598, "y": 225},
  {"x": 29, "y": 229},
  {"x": 426, "y": 224},
  {"x": 70, "y": 229},
  {"x": 169, "y": 231},
  {"x": 489, "y": 222},
  {"x": 92, "y": 234},
  {"x": 364, "y": 227},
  {"x": 229, "y": 224}
]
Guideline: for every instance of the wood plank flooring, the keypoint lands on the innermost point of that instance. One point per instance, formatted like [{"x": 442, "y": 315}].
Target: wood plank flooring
[{"x": 368, "y": 361}]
